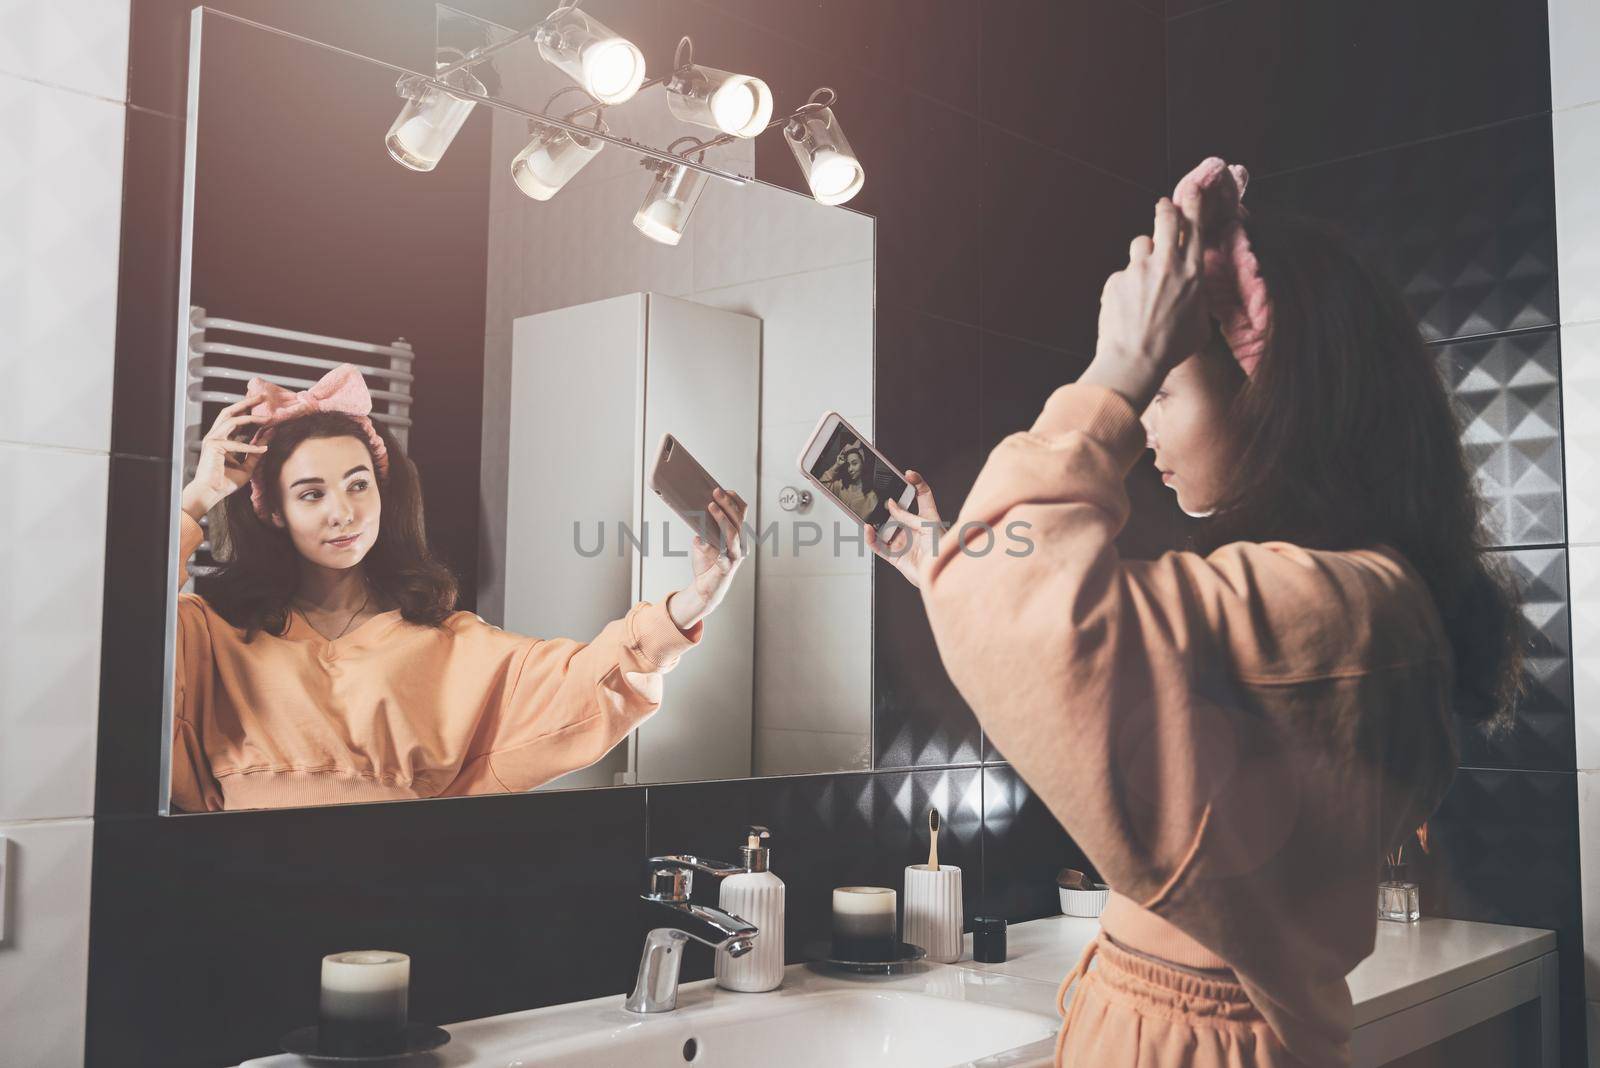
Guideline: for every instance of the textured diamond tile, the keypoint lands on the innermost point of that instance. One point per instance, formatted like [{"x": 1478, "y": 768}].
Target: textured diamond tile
[
  {"x": 827, "y": 831},
  {"x": 1023, "y": 849},
  {"x": 1465, "y": 225},
  {"x": 1508, "y": 394},
  {"x": 1577, "y": 162},
  {"x": 1583, "y": 564},
  {"x": 60, "y": 209},
  {"x": 1542, "y": 734},
  {"x": 77, "y": 44},
  {"x": 1505, "y": 850}
]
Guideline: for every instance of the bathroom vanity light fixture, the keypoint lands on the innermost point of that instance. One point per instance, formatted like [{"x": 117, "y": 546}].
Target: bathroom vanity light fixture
[
  {"x": 607, "y": 66},
  {"x": 825, "y": 157},
  {"x": 736, "y": 104},
  {"x": 549, "y": 161},
  {"x": 430, "y": 118},
  {"x": 672, "y": 195}
]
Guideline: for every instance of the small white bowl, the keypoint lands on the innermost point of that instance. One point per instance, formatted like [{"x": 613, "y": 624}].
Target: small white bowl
[{"x": 1084, "y": 902}]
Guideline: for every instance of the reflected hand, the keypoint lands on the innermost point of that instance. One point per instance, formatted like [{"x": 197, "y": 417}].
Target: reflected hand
[
  {"x": 713, "y": 570},
  {"x": 218, "y": 472},
  {"x": 917, "y": 539}
]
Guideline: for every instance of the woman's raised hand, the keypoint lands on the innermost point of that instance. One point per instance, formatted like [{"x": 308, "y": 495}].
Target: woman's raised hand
[
  {"x": 713, "y": 570},
  {"x": 1152, "y": 315},
  {"x": 917, "y": 537},
  {"x": 219, "y": 472}
]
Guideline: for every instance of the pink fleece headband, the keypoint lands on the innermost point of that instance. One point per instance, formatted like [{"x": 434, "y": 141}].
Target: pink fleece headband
[
  {"x": 341, "y": 390},
  {"x": 1235, "y": 294}
]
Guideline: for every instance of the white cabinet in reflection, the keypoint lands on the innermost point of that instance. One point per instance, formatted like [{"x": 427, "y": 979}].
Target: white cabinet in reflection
[{"x": 593, "y": 388}]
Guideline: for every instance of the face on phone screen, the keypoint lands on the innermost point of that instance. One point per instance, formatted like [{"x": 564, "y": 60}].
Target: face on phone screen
[{"x": 853, "y": 474}]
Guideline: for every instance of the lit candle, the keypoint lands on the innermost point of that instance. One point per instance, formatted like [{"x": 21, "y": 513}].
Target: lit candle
[
  {"x": 864, "y": 923},
  {"x": 364, "y": 1001}
]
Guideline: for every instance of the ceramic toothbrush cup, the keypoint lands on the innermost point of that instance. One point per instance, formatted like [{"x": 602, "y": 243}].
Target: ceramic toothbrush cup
[{"x": 933, "y": 911}]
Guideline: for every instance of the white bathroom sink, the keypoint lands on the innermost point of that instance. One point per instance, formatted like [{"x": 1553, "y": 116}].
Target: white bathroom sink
[{"x": 933, "y": 1017}]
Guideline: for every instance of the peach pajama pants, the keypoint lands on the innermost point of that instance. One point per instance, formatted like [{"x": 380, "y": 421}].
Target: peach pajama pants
[{"x": 1130, "y": 1011}]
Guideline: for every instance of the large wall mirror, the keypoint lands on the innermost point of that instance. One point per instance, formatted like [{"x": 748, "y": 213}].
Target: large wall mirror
[{"x": 523, "y": 355}]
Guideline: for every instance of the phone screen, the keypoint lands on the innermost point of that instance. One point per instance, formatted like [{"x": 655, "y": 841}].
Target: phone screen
[{"x": 854, "y": 475}]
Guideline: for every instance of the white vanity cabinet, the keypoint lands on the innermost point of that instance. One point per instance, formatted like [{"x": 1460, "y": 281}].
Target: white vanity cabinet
[{"x": 593, "y": 388}]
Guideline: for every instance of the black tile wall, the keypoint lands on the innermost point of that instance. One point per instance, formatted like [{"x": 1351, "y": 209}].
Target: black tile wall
[
  {"x": 147, "y": 284},
  {"x": 208, "y": 933},
  {"x": 1465, "y": 225},
  {"x": 1083, "y": 77},
  {"x": 1280, "y": 84},
  {"x": 1023, "y": 849},
  {"x": 1504, "y": 849}
]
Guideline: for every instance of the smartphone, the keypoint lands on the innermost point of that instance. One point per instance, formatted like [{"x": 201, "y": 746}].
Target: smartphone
[
  {"x": 840, "y": 461},
  {"x": 685, "y": 487}
]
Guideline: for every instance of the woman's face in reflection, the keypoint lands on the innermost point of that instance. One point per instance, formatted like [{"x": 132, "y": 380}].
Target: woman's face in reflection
[
  {"x": 330, "y": 501},
  {"x": 1188, "y": 426}
]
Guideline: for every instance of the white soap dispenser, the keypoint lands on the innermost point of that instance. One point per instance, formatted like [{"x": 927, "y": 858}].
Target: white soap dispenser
[{"x": 756, "y": 896}]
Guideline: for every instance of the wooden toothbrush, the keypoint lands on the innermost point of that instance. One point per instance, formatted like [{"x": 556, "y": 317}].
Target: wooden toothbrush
[{"x": 933, "y": 839}]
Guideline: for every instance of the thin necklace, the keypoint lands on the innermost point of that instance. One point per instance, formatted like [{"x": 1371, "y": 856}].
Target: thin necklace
[{"x": 352, "y": 619}]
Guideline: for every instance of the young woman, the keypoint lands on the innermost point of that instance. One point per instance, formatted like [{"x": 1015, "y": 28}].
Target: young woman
[
  {"x": 325, "y": 662},
  {"x": 845, "y": 479},
  {"x": 1235, "y": 735}
]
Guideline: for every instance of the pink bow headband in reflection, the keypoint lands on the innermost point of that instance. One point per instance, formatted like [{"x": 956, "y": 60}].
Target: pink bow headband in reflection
[
  {"x": 341, "y": 390},
  {"x": 1235, "y": 294}
]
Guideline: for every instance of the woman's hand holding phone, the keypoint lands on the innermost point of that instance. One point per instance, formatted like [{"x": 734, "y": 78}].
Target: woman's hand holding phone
[
  {"x": 914, "y": 541},
  {"x": 713, "y": 570}
]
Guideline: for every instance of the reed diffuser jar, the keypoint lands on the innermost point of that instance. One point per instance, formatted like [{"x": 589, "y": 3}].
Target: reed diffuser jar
[{"x": 1399, "y": 899}]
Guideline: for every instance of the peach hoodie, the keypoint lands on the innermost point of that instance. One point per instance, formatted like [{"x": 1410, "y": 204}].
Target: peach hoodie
[
  {"x": 1234, "y": 739},
  {"x": 395, "y": 710}
]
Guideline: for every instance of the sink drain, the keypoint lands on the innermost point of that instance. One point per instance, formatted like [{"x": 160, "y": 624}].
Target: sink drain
[{"x": 691, "y": 1050}]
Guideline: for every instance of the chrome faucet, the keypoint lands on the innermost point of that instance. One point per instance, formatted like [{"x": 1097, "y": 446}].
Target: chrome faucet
[{"x": 669, "y": 881}]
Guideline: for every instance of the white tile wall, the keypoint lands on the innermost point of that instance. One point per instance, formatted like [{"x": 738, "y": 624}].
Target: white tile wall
[
  {"x": 1580, "y": 427},
  {"x": 52, "y": 571},
  {"x": 60, "y": 212},
  {"x": 1577, "y": 158},
  {"x": 75, "y": 44},
  {"x": 63, "y": 79},
  {"x": 1575, "y": 98},
  {"x": 44, "y": 960},
  {"x": 1574, "y": 36}
]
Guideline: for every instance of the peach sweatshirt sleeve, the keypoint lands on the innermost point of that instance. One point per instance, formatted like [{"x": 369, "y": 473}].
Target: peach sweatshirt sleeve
[
  {"x": 567, "y": 703},
  {"x": 1209, "y": 729}
]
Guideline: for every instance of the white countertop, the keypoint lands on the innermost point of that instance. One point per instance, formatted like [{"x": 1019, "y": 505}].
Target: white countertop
[{"x": 1411, "y": 963}]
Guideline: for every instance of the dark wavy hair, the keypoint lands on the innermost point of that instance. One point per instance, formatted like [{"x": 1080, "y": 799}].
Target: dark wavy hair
[
  {"x": 259, "y": 567},
  {"x": 1348, "y": 439}
]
